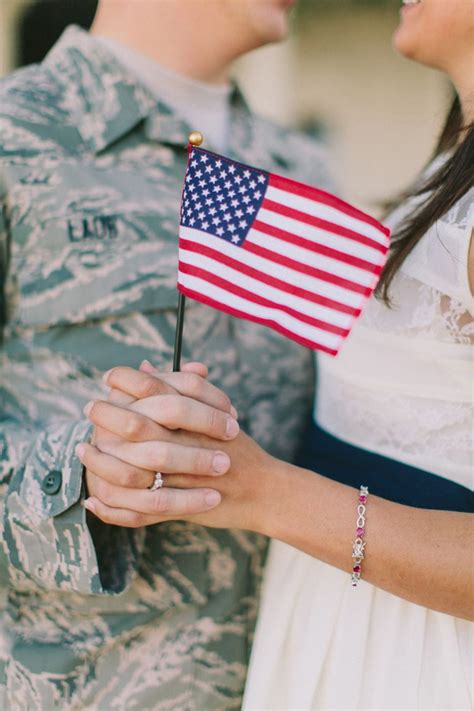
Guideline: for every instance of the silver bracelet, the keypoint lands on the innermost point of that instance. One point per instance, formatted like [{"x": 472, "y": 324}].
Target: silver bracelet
[{"x": 358, "y": 546}]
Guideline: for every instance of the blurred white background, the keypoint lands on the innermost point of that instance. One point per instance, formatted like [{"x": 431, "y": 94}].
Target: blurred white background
[{"x": 337, "y": 76}]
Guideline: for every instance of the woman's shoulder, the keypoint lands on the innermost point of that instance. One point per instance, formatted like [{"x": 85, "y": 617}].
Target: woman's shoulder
[
  {"x": 440, "y": 260},
  {"x": 431, "y": 296}
]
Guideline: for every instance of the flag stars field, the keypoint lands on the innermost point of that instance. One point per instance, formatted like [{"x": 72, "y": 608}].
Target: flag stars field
[{"x": 275, "y": 251}]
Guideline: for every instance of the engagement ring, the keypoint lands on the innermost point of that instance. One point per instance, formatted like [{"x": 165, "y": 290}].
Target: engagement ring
[{"x": 157, "y": 483}]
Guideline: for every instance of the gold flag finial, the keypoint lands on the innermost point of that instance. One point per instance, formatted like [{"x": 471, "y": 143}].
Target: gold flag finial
[{"x": 196, "y": 138}]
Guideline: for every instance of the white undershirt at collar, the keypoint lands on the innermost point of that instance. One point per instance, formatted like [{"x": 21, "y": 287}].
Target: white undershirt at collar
[{"x": 205, "y": 107}]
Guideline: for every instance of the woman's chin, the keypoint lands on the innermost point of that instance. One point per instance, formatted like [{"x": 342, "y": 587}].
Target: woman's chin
[
  {"x": 405, "y": 44},
  {"x": 409, "y": 48}
]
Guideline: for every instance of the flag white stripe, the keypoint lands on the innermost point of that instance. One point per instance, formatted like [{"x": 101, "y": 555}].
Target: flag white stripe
[
  {"x": 325, "y": 212},
  {"x": 259, "y": 288},
  {"x": 290, "y": 276},
  {"x": 320, "y": 236},
  {"x": 292, "y": 324},
  {"x": 312, "y": 259}
]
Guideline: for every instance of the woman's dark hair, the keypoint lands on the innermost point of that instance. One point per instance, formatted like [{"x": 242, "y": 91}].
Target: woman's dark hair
[{"x": 443, "y": 189}]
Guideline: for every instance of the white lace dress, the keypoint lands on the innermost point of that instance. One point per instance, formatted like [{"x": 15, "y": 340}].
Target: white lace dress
[{"x": 402, "y": 387}]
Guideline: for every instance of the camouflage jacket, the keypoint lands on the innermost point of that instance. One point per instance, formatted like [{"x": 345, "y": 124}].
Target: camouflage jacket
[{"x": 91, "y": 170}]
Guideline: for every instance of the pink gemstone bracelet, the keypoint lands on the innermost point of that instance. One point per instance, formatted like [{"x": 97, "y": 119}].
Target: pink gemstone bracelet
[{"x": 359, "y": 544}]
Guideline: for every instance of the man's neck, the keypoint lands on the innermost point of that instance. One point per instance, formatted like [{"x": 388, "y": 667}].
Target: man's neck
[{"x": 166, "y": 32}]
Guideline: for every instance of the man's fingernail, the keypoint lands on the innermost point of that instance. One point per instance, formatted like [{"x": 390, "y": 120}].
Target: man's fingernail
[
  {"x": 220, "y": 463},
  {"x": 88, "y": 408},
  {"x": 232, "y": 428},
  {"x": 212, "y": 498},
  {"x": 234, "y": 412},
  {"x": 79, "y": 450},
  {"x": 105, "y": 376},
  {"x": 146, "y": 366},
  {"x": 89, "y": 505}
]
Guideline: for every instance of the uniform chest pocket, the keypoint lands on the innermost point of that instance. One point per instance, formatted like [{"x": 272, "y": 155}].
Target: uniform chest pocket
[{"x": 79, "y": 267}]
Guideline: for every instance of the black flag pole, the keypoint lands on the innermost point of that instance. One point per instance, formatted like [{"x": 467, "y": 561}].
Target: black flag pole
[
  {"x": 178, "y": 339},
  {"x": 195, "y": 139}
]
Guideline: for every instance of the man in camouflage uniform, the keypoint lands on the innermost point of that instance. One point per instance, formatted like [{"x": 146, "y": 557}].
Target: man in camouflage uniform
[{"x": 91, "y": 170}]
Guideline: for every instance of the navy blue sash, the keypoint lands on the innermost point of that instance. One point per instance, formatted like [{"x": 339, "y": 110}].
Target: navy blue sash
[{"x": 335, "y": 459}]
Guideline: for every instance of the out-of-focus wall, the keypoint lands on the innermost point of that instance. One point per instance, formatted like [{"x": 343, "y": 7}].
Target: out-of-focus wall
[
  {"x": 10, "y": 11},
  {"x": 338, "y": 75},
  {"x": 382, "y": 113}
]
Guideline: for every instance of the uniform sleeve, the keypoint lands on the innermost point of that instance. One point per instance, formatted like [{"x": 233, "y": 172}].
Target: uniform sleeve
[{"x": 46, "y": 541}]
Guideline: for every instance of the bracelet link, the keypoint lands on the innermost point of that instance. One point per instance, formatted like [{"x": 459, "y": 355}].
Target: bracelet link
[{"x": 358, "y": 547}]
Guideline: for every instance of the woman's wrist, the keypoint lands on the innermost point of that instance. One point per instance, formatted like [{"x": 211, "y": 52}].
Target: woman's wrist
[
  {"x": 310, "y": 512},
  {"x": 274, "y": 497}
]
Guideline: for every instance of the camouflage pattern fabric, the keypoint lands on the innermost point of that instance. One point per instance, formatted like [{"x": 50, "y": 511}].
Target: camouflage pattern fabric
[{"x": 100, "y": 617}]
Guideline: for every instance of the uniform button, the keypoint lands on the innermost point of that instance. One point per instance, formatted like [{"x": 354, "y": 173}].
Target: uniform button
[{"x": 52, "y": 483}]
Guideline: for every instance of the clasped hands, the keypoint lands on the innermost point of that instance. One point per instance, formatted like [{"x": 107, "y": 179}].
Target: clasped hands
[{"x": 184, "y": 427}]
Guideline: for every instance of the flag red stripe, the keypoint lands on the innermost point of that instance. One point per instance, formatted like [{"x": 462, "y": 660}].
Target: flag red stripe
[
  {"x": 322, "y": 224},
  {"x": 293, "y": 186},
  {"x": 306, "y": 268},
  {"x": 265, "y": 278},
  {"x": 256, "y": 299},
  {"x": 197, "y": 296},
  {"x": 315, "y": 247}
]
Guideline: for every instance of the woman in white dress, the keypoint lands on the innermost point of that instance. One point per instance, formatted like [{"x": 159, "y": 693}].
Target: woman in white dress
[{"x": 394, "y": 413}]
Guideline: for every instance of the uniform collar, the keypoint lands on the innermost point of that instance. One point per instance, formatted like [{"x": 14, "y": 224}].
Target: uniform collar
[{"x": 105, "y": 101}]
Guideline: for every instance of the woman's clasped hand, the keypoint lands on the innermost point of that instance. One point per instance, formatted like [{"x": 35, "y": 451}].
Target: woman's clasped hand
[{"x": 182, "y": 426}]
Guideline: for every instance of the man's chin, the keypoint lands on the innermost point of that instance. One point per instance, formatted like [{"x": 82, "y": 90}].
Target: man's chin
[{"x": 279, "y": 32}]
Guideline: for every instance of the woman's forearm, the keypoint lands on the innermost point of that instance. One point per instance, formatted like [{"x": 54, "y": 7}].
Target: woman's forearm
[{"x": 421, "y": 555}]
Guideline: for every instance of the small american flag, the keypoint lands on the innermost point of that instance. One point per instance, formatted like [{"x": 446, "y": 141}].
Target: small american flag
[{"x": 275, "y": 251}]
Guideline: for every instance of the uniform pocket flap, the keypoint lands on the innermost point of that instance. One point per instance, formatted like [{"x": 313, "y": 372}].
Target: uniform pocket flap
[{"x": 87, "y": 266}]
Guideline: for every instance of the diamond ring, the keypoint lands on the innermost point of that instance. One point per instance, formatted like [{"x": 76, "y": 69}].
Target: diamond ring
[{"x": 157, "y": 482}]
